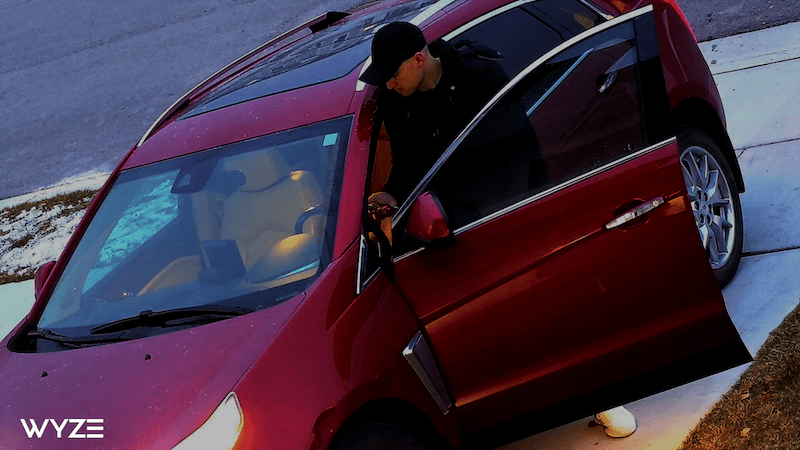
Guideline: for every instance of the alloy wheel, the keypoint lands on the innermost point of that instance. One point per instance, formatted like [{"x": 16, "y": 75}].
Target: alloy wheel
[{"x": 710, "y": 197}]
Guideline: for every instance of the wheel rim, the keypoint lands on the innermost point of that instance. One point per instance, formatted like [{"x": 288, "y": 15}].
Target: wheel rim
[{"x": 712, "y": 206}]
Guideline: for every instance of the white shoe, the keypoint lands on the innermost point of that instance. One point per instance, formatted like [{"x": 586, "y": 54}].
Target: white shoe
[{"x": 618, "y": 422}]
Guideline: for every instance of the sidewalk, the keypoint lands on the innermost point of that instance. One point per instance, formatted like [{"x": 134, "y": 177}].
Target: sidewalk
[{"x": 758, "y": 75}]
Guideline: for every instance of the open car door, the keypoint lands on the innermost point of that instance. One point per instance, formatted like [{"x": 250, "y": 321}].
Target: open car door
[{"x": 576, "y": 280}]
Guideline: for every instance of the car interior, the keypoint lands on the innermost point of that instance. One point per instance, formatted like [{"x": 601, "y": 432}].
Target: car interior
[{"x": 269, "y": 246}]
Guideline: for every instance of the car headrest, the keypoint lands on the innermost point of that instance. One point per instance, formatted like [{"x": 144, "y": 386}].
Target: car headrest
[{"x": 261, "y": 169}]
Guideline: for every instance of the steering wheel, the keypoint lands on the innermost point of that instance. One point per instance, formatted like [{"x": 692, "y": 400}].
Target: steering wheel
[{"x": 315, "y": 210}]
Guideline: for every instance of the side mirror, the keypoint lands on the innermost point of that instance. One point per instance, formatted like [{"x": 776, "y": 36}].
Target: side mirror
[
  {"x": 41, "y": 277},
  {"x": 427, "y": 223}
]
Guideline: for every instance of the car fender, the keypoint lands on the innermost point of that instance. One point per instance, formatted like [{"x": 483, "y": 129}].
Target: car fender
[
  {"x": 337, "y": 354},
  {"x": 690, "y": 82}
]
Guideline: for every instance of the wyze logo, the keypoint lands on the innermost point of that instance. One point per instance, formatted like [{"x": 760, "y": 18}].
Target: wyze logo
[{"x": 61, "y": 429}]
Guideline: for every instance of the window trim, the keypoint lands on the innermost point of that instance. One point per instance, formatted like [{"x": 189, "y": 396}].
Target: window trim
[
  {"x": 597, "y": 10},
  {"x": 422, "y": 185}
]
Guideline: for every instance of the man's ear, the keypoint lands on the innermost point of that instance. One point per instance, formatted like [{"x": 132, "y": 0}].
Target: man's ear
[{"x": 419, "y": 58}]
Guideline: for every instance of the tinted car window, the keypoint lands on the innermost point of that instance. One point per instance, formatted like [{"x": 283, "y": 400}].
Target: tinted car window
[
  {"x": 246, "y": 225},
  {"x": 567, "y": 18},
  {"x": 523, "y": 34},
  {"x": 578, "y": 111},
  {"x": 518, "y": 36}
]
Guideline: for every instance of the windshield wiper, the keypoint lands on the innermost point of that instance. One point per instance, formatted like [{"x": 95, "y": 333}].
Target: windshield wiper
[
  {"x": 75, "y": 342},
  {"x": 171, "y": 317}
]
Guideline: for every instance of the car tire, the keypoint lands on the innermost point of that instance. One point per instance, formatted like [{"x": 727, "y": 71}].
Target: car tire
[
  {"x": 714, "y": 199},
  {"x": 379, "y": 436}
]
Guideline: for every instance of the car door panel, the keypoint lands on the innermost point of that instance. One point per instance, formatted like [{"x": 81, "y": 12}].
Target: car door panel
[
  {"x": 538, "y": 303},
  {"x": 533, "y": 321}
]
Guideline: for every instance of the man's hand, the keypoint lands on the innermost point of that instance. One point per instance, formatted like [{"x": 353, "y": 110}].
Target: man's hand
[{"x": 381, "y": 205}]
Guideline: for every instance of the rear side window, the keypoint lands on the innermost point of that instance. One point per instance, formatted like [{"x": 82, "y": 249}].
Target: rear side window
[
  {"x": 518, "y": 36},
  {"x": 567, "y": 18},
  {"x": 524, "y": 34}
]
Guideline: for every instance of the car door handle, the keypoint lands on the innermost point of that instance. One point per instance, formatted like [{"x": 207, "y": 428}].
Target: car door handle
[{"x": 636, "y": 212}]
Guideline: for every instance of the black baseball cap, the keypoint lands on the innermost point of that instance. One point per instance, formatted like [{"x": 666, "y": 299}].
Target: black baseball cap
[{"x": 392, "y": 44}]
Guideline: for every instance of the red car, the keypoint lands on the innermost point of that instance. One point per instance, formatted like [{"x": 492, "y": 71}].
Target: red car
[{"x": 227, "y": 288}]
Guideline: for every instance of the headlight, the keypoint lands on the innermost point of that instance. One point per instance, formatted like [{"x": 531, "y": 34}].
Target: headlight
[{"x": 220, "y": 431}]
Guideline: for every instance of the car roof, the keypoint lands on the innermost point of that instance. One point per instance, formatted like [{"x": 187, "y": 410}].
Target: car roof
[{"x": 306, "y": 75}]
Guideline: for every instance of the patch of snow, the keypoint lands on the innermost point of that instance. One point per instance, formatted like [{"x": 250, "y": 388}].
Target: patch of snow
[
  {"x": 47, "y": 232},
  {"x": 91, "y": 180}
]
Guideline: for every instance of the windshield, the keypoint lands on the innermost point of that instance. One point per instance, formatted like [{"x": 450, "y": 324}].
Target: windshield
[{"x": 243, "y": 226}]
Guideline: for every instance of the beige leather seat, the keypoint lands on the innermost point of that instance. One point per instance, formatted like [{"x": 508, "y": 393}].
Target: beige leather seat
[
  {"x": 262, "y": 214},
  {"x": 206, "y": 207}
]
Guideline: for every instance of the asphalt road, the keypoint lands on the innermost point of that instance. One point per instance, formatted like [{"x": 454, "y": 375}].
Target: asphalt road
[
  {"x": 713, "y": 19},
  {"x": 80, "y": 81}
]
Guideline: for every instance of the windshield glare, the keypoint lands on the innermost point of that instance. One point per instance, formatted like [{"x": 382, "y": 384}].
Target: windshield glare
[{"x": 249, "y": 225}]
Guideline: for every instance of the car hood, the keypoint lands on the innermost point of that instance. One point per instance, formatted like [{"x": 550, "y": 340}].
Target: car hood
[{"x": 150, "y": 392}]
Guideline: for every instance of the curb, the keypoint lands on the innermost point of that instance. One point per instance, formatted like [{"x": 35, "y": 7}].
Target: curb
[{"x": 753, "y": 49}]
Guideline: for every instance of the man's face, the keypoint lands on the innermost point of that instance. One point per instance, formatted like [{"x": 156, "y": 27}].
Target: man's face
[{"x": 409, "y": 76}]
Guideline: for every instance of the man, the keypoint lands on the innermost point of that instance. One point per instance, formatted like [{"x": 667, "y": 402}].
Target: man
[{"x": 432, "y": 91}]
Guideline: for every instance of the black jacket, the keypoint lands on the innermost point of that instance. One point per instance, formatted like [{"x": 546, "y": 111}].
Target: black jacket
[{"x": 421, "y": 126}]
